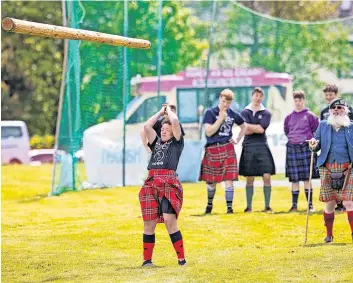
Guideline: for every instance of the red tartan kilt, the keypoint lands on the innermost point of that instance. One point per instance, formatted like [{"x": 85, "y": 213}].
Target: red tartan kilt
[
  {"x": 219, "y": 164},
  {"x": 160, "y": 183},
  {"x": 326, "y": 192}
]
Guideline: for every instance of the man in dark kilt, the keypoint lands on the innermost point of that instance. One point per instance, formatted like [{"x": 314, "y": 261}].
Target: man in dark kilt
[
  {"x": 256, "y": 158},
  {"x": 220, "y": 161},
  {"x": 300, "y": 126},
  {"x": 161, "y": 196},
  {"x": 334, "y": 137},
  {"x": 331, "y": 92}
]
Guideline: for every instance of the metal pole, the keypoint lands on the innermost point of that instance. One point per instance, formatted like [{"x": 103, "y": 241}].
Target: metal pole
[
  {"x": 159, "y": 50},
  {"x": 61, "y": 97},
  {"x": 126, "y": 84},
  {"x": 214, "y": 9}
]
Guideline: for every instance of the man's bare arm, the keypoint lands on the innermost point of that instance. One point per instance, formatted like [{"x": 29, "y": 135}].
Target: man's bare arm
[
  {"x": 243, "y": 128},
  {"x": 210, "y": 130},
  {"x": 173, "y": 118},
  {"x": 254, "y": 129},
  {"x": 148, "y": 127}
]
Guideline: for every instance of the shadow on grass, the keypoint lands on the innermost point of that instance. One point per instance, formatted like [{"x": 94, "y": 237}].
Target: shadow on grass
[
  {"x": 56, "y": 278},
  {"x": 139, "y": 267},
  {"x": 325, "y": 244},
  {"x": 209, "y": 214},
  {"x": 33, "y": 199},
  {"x": 318, "y": 212}
]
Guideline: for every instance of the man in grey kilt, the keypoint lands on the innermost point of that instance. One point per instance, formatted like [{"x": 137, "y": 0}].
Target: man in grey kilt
[
  {"x": 300, "y": 126},
  {"x": 256, "y": 158}
]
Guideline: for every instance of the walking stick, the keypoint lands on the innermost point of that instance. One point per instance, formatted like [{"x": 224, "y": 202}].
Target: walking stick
[{"x": 309, "y": 194}]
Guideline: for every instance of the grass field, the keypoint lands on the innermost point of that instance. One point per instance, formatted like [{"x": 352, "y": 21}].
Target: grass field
[{"x": 95, "y": 236}]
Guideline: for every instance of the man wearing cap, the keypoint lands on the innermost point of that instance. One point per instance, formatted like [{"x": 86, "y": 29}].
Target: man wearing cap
[
  {"x": 334, "y": 137},
  {"x": 330, "y": 92}
]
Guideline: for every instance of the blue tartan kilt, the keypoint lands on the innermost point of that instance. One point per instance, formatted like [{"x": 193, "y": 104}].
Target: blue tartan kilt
[{"x": 298, "y": 163}]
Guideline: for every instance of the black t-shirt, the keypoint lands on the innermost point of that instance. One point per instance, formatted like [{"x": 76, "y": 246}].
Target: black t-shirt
[
  {"x": 165, "y": 155},
  {"x": 262, "y": 118},
  {"x": 224, "y": 133},
  {"x": 158, "y": 127},
  {"x": 325, "y": 113}
]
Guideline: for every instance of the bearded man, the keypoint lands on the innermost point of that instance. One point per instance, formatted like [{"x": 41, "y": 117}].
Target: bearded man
[{"x": 334, "y": 137}]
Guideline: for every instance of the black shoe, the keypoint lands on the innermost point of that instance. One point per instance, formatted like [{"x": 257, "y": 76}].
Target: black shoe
[
  {"x": 182, "y": 262},
  {"x": 248, "y": 209},
  {"x": 268, "y": 209},
  {"x": 293, "y": 209},
  {"x": 340, "y": 207},
  {"x": 328, "y": 239},
  {"x": 230, "y": 211},
  {"x": 147, "y": 263},
  {"x": 208, "y": 209}
]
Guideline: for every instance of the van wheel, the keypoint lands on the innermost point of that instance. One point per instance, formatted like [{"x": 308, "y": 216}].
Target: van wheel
[{"x": 15, "y": 161}]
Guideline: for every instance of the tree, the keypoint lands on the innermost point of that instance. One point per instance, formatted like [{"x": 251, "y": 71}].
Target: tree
[
  {"x": 31, "y": 68},
  {"x": 298, "y": 49},
  {"x": 101, "y": 67}
]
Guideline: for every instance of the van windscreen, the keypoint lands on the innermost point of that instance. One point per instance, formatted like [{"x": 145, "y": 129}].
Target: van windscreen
[{"x": 10, "y": 131}]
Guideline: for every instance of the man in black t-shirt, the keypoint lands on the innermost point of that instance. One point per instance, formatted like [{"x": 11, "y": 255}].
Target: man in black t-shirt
[
  {"x": 220, "y": 161},
  {"x": 158, "y": 127},
  {"x": 161, "y": 196},
  {"x": 331, "y": 93}
]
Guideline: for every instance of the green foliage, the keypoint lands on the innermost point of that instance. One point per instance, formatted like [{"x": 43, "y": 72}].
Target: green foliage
[
  {"x": 298, "y": 49},
  {"x": 40, "y": 142},
  {"x": 31, "y": 68},
  {"x": 95, "y": 76},
  {"x": 296, "y": 10}
]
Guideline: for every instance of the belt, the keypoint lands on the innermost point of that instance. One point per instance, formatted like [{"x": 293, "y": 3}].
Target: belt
[{"x": 216, "y": 144}]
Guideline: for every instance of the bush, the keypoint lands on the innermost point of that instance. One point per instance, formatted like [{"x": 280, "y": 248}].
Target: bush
[{"x": 41, "y": 142}]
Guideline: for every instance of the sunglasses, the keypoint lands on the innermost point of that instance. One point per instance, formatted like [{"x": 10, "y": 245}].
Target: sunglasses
[{"x": 337, "y": 107}]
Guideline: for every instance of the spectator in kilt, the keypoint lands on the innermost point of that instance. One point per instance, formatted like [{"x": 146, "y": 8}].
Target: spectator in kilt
[
  {"x": 300, "y": 126},
  {"x": 220, "y": 161},
  {"x": 256, "y": 158},
  {"x": 331, "y": 92},
  {"x": 334, "y": 137},
  {"x": 161, "y": 196},
  {"x": 158, "y": 127}
]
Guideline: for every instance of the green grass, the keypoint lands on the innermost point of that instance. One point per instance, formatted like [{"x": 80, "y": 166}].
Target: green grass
[{"x": 95, "y": 236}]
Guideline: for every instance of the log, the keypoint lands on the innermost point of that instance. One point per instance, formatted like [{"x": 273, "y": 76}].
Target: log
[{"x": 39, "y": 29}]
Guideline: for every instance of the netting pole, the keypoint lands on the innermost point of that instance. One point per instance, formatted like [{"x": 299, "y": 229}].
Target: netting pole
[
  {"x": 61, "y": 98},
  {"x": 159, "y": 50},
  {"x": 214, "y": 9},
  {"x": 126, "y": 84},
  {"x": 69, "y": 106}
]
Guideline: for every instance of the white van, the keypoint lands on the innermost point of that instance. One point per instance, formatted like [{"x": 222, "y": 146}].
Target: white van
[
  {"x": 14, "y": 142},
  {"x": 103, "y": 143}
]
